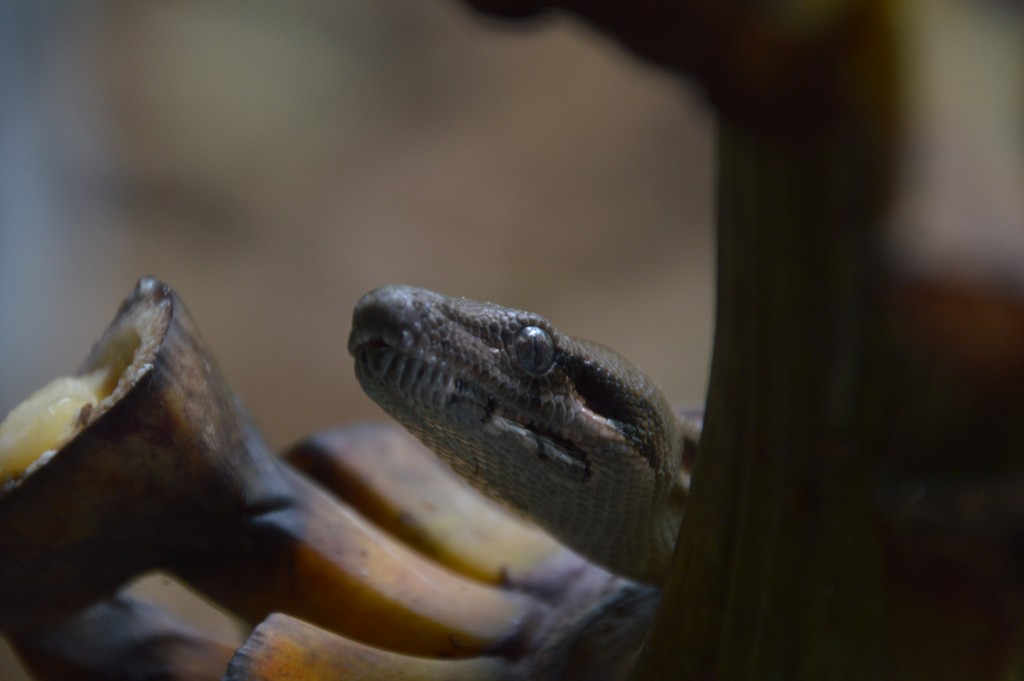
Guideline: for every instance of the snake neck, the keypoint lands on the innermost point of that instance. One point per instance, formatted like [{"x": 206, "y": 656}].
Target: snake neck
[{"x": 564, "y": 431}]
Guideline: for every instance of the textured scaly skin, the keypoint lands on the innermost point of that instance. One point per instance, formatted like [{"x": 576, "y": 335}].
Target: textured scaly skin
[{"x": 562, "y": 430}]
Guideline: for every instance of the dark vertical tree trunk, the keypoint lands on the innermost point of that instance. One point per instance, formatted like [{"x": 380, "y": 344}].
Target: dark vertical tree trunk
[{"x": 779, "y": 557}]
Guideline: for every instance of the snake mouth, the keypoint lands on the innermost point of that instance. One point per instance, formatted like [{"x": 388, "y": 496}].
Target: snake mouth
[
  {"x": 367, "y": 342},
  {"x": 392, "y": 372},
  {"x": 368, "y": 346}
]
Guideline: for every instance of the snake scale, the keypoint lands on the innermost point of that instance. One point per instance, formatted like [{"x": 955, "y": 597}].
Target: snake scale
[{"x": 564, "y": 431}]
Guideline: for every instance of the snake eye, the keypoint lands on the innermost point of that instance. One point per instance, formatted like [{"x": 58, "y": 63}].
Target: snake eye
[{"x": 534, "y": 350}]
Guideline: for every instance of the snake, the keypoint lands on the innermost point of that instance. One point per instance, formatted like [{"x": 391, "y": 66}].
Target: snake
[{"x": 563, "y": 431}]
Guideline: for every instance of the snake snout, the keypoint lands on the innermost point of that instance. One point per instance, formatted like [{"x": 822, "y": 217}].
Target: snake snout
[{"x": 383, "y": 317}]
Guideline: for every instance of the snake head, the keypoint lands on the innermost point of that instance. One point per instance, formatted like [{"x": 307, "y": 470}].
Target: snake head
[{"x": 564, "y": 431}]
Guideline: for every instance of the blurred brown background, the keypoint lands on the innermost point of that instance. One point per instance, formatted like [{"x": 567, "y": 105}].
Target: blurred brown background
[{"x": 273, "y": 161}]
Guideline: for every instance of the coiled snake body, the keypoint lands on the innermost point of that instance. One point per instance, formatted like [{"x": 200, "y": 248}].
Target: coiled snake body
[{"x": 562, "y": 430}]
